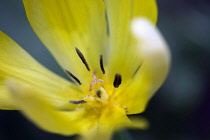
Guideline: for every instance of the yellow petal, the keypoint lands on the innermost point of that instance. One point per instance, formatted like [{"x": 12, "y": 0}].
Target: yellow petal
[
  {"x": 63, "y": 25},
  {"x": 123, "y": 57},
  {"x": 146, "y": 9},
  {"x": 153, "y": 71},
  {"x": 139, "y": 122},
  {"x": 45, "y": 116},
  {"x": 112, "y": 119},
  {"x": 15, "y": 63},
  {"x": 6, "y": 102}
]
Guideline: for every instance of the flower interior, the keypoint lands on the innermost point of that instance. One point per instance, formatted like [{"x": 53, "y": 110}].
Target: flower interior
[{"x": 99, "y": 93}]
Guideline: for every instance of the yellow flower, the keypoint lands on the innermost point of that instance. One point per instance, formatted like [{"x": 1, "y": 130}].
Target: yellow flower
[{"x": 116, "y": 59}]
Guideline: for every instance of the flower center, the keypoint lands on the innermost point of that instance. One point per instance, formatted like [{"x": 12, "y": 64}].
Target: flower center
[{"x": 99, "y": 92}]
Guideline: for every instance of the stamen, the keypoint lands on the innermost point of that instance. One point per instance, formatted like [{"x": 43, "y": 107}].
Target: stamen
[
  {"x": 81, "y": 56},
  {"x": 77, "y": 102},
  {"x": 137, "y": 70},
  {"x": 104, "y": 94},
  {"x": 101, "y": 64},
  {"x": 98, "y": 93},
  {"x": 117, "y": 80},
  {"x": 74, "y": 77},
  {"x": 94, "y": 108}
]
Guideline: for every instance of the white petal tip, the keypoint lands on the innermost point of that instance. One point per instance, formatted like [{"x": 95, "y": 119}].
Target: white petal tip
[
  {"x": 149, "y": 36},
  {"x": 142, "y": 27},
  {"x": 153, "y": 49}
]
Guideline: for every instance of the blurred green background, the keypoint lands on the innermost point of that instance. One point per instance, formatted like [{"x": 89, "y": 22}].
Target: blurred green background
[{"x": 181, "y": 108}]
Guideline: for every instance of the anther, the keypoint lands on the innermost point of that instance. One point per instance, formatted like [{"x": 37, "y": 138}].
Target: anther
[
  {"x": 98, "y": 93},
  {"x": 81, "y": 56},
  {"x": 117, "y": 80},
  {"x": 137, "y": 70},
  {"x": 101, "y": 64},
  {"x": 74, "y": 77},
  {"x": 77, "y": 102}
]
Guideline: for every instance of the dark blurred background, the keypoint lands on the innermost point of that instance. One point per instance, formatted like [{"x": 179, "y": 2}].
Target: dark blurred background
[{"x": 181, "y": 108}]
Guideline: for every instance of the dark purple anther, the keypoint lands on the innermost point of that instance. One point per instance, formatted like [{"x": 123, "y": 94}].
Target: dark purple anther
[{"x": 78, "y": 102}]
